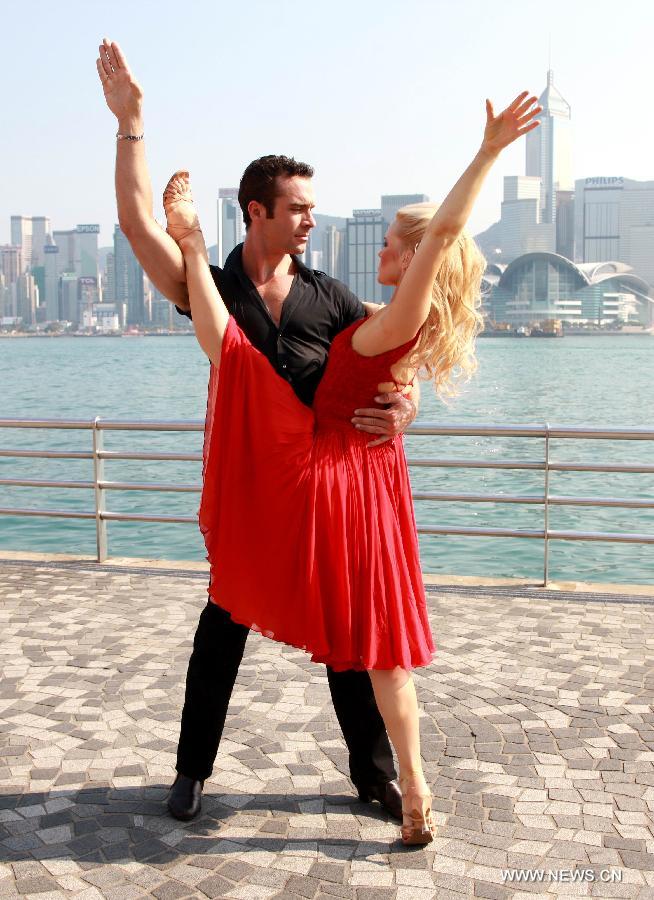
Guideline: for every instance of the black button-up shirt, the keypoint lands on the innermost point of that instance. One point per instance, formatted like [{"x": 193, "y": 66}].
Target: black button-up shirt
[{"x": 316, "y": 309}]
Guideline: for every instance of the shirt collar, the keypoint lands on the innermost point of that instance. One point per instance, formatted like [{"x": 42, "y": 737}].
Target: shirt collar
[{"x": 234, "y": 263}]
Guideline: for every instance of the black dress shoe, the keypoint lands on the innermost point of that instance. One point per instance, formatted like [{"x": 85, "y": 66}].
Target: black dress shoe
[
  {"x": 185, "y": 798},
  {"x": 389, "y": 795}
]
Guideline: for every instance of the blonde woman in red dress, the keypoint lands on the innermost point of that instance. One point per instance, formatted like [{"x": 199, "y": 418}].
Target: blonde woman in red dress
[{"x": 310, "y": 533}]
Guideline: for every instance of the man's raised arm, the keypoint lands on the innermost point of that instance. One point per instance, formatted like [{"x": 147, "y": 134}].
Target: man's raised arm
[{"x": 155, "y": 250}]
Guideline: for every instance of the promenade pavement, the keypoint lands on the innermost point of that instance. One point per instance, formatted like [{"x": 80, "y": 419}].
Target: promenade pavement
[{"x": 537, "y": 729}]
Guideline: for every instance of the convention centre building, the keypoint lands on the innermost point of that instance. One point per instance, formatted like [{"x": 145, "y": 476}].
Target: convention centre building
[{"x": 541, "y": 286}]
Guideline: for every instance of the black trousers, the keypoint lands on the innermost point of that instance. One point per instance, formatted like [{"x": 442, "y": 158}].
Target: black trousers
[{"x": 217, "y": 652}]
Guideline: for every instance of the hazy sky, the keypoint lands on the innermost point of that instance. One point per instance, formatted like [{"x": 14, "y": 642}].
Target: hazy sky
[{"x": 381, "y": 97}]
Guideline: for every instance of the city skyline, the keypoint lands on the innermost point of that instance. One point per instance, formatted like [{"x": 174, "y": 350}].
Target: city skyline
[
  {"x": 547, "y": 225},
  {"x": 407, "y": 128},
  {"x": 572, "y": 250}
]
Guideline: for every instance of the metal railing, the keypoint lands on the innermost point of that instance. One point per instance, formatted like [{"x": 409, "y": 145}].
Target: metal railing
[{"x": 546, "y": 433}]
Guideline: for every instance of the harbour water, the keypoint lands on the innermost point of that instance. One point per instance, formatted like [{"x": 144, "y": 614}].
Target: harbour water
[{"x": 591, "y": 382}]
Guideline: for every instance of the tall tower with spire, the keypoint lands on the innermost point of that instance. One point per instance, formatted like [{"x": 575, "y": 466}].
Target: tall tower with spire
[{"x": 549, "y": 150}]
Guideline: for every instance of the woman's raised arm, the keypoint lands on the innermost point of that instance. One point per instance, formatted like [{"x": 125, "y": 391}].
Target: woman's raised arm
[{"x": 403, "y": 318}]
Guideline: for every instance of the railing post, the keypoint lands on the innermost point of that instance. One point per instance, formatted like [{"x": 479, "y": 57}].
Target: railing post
[
  {"x": 98, "y": 477},
  {"x": 546, "y": 507}
]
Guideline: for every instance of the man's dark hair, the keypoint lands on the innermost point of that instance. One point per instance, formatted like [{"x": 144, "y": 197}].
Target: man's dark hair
[{"x": 259, "y": 181}]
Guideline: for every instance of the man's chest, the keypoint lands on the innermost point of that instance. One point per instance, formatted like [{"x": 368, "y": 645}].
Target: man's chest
[
  {"x": 274, "y": 294},
  {"x": 292, "y": 317}
]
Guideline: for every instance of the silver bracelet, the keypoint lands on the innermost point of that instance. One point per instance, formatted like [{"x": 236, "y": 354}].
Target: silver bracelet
[{"x": 129, "y": 137}]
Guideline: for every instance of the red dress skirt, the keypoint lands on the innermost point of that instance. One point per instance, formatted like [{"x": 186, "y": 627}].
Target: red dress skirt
[{"x": 311, "y": 534}]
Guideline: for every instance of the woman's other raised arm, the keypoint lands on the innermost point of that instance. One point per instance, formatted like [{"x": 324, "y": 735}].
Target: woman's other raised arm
[{"x": 403, "y": 318}]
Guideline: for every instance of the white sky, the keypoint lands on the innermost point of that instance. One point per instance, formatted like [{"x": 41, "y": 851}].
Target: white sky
[{"x": 380, "y": 97}]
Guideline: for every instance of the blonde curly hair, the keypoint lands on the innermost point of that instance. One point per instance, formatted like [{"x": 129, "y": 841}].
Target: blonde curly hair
[{"x": 446, "y": 347}]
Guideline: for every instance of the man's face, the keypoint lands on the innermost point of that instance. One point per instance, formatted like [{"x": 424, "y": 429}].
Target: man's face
[{"x": 288, "y": 230}]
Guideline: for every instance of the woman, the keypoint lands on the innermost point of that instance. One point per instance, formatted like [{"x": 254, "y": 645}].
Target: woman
[{"x": 310, "y": 533}]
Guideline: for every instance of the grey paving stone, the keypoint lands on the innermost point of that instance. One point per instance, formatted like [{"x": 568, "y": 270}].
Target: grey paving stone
[
  {"x": 492, "y": 891},
  {"x": 39, "y": 885},
  {"x": 172, "y": 890},
  {"x": 644, "y": 862},
  {"x": 367, "y": 893},
  {"x": 338, "y": 890},
  {"x": 215, "y": 886},
  {"x": 325, "y": 871},
  {"x": 236, "y": 870},
  {"x": 302, "y": 886},
  {"x": 500, "y": 731},
  {"x": 619, "y": 843},
  {"x": 269, "y": 877}
]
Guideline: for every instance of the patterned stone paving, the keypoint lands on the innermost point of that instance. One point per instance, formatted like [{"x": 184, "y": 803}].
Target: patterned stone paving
[{"x": 538, "y": 737}]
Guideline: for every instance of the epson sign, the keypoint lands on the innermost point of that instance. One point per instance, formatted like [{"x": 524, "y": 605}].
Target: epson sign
[{"x": 88, "y": 229}]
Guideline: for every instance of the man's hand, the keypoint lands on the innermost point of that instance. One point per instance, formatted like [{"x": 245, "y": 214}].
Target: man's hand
[
  {"x": 121, "y": 90},
  {"x": 395, "y": 419}
]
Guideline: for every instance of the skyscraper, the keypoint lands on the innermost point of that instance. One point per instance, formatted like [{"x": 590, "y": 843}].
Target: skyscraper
[
  {"x": 129, "y": 291},
  {"x": 51, "y": 299},
  {"x": 5, "y": 298},
  {"x": 65, "y": 241},
  {"x": 364, "y": 230},
  {"x": 26, "y": 295},
  {"x": 326, "y": 238},
  {"x": 41, "y": 236},
  {"x": 86, "y": 250},
  {"x": 230, "y": 223},
  {"x": 86, "y": 263},
  {"x": 538, "y": 207},
  {"x": 332, "y": 252},
  {"x": 390, "y": 203},
  {"x": 614, "y": 220},
  {"x": 69, "y": 310},
  {"x": 31, "y": 234},
  {"x": 21, "y": 236},
  {"x": 364, "y": 237},
  {"x": 549, "y": 150},
  {"x": 10, "y": 262},
  {"x": 109, "y": 282},
  {"x": 523, "y": 231}
]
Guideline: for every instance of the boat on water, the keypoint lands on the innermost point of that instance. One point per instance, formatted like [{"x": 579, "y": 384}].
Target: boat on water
[{"x": 547, "y": 328}]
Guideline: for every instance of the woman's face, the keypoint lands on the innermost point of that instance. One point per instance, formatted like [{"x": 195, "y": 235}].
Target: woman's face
[{"x": 392, "y": 258}]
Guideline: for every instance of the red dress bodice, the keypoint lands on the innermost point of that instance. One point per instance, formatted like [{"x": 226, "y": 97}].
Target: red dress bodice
[{"x": 351, "y": 381}]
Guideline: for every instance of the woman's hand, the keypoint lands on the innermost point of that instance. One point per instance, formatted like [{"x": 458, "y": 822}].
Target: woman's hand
[
  {"x": 516, "y": 120},
  {"x": 121, "y": 90}
]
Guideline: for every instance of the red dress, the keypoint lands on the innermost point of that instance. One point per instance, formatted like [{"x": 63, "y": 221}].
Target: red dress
[{"x": 310, "y": 534}]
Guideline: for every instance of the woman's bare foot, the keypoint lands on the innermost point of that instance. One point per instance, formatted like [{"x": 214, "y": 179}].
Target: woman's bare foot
[{"x": 181, "y": 216}]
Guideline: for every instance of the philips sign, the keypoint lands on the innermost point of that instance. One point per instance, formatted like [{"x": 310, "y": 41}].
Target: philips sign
[{"x": 604, "y": 182}]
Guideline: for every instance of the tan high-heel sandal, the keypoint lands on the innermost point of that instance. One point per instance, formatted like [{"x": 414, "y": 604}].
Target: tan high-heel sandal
[
  {"x": 175, "y": 193},
  {"x": 419, "y": 829}
]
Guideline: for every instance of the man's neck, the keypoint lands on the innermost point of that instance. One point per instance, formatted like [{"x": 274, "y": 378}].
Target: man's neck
[{"x": 261, "y": 266}]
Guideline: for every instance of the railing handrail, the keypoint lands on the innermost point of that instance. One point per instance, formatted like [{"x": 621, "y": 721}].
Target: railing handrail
[
  {"x": 576, "y": 432},
  {"x": 546, "y": 432}
]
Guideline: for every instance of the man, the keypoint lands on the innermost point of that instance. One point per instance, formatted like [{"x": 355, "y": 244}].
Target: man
[{"x": 291, "y": 314}]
